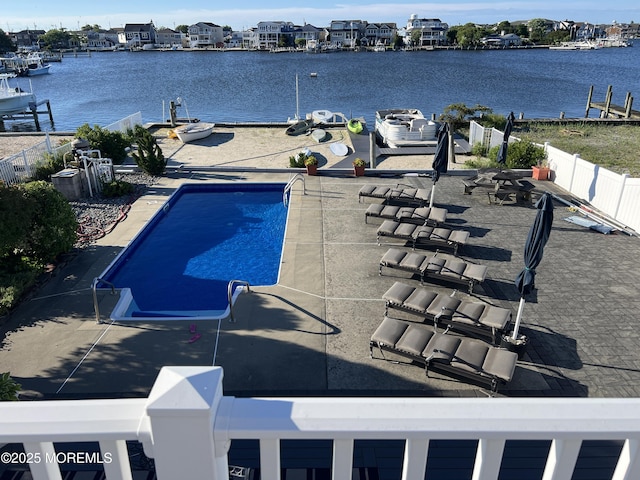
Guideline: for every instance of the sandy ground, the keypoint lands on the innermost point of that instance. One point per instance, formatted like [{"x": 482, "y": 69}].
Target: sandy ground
[
  {"x": 255, "y": 147},
  {"x": 12, "y": 143}
]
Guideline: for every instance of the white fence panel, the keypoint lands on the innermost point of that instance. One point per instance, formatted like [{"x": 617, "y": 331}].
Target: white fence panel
[
  {"x": 629, "y": 209},
  {"x": 605, "y": 191},
  {"x": 126, "y": 123},
  {"x": 476, "y": 133},
  {"x": 562, "y": 166}
]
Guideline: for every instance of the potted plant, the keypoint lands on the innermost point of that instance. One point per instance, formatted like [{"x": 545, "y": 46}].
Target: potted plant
[
  {"x": 540, "y": 171},
  {"x": 311, "y": 163},
  {"x": 358, "y": 167}
]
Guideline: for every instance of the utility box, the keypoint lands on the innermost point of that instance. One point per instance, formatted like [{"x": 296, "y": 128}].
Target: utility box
[{"x": 70, "y": 182}]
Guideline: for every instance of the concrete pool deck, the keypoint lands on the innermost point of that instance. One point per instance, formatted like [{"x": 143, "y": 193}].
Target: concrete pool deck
[{"x": 309, "y": 335}]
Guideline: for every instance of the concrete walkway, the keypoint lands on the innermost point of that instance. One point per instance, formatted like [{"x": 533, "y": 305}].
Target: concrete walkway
[{"x": 309, "y": 334}]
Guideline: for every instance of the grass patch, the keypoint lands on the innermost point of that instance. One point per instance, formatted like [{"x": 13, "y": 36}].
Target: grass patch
[{"x": 614, "y": 147}]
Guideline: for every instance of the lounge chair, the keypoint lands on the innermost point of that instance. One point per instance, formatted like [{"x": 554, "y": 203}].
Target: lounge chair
[
  {"x": 400, "y": 193},
  {"x": 452, "y": 269},
  {"x": 449, "y": 354},
  {"x": 478, "y": 319},
  {"x": 423, "y": 234},
  {"x": 417, "y": 215}
]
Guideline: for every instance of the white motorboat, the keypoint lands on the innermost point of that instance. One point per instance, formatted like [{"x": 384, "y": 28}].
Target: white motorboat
[
  {"x": 405, "y": 127},
  {"x": 193, "y": 131},
  {"x": 12, "y": 98}
]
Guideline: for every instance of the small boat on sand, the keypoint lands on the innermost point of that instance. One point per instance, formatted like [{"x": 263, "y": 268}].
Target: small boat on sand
[
  {"x": 319, "y": 135},
  {"x": 193, "y": 131},
  {"x": 339, "y": 149},
  {"x": 298, "y": 128}
]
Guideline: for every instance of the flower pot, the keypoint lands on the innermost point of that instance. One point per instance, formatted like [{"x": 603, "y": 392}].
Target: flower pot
[
  {"x": 359, "y": 171},
  {"x": 540, "y": 173},
  {"x": 312, "y": 169}
]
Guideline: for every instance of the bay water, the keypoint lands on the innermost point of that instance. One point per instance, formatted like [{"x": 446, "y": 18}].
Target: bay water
[{"x": 261, "y": 87}]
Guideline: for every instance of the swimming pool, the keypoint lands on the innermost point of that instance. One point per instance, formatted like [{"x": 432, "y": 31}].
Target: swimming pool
[{"x": 205, "y": 235}]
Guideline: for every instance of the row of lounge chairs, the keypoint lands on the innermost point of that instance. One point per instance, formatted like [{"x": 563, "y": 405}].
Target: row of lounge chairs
[
  {"x": 431, "y": 266},
  {"x": 478, "y": 359}
]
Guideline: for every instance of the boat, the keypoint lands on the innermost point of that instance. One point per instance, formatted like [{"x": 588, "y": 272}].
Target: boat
[
  {"x": 355, "y": 126},
  {"x": 577, "y": 45},
  {"x": 302, "y": 126},
  {"x": 12, "y": 98},
  {"x": 339, "y": 149},
  {"x": 193, "y": 131},
  {"x": 36, "y": 66},
  {"x": 319, "y": 135},
  {"x": 405, "y": 127}
]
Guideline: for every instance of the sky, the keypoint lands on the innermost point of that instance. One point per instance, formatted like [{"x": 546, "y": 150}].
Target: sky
[{"x": 73, "y": 14}]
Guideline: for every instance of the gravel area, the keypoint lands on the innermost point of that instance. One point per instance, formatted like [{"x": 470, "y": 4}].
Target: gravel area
[{"x": 98, "y": 215}]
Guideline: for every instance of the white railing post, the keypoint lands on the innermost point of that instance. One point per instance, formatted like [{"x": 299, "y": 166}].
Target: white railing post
[
  {"x": 488, "y": 459},
  {"x": 628, "y": 467},
  {"x": 181, "y": 411},
  {"x": 43, "y": 466},
  {"x": 562, "y": 459}
]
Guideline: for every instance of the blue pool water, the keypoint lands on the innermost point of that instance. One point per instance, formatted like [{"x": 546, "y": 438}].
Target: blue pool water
[{"x": 181, "y": 263}]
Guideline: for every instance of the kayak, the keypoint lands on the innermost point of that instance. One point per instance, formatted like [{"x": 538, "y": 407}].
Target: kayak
[{"x": 355, "y": 126}]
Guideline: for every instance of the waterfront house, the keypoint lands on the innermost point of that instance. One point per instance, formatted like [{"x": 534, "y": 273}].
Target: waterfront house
[
  {"x": 502, "y": 41},
  {"x": 206, "y": 35},
  {"x": 168, "y": 38},
  {"x": 308, "y": 35},
  {"x": 136, "y": 35},
  {"x": 101, "y": 40},
  {"x": 26, "y": 39},
  {"x": 432, "y": 30},
  {"x": 346, "y": 32},
  {"x": 274, "y": 34},
  {"x": 380, "y": 33}
]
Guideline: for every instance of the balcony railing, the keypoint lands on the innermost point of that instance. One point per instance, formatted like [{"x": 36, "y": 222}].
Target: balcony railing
[{"x": 186, "y": 425}]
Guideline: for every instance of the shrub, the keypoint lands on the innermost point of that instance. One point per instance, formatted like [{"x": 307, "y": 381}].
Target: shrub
[
  {"x": 9, "y": 388},
  {"x": 16, "y": 214},
  {"x": 311, "y": 160},
  {"x": 53, "y": 225},
  {"x": 524, "y": 154},
  {"x": 117, "y": 188},
  {"x": 48, "y": 166},
  {"x": 297, "y": 161},
  {"x": 112, "y": 145},
  {"x": 459, "y": 114},
  {"x": 149, "y": 155},
  {"x": 479, "y": 150}
]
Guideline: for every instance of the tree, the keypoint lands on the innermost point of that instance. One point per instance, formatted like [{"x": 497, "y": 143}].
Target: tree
[
  {"x": 538, "y": 29},
  {"x": 5, "y": 43},
  {"x": 55, "y": 39},
  {"x": 416, "y": 37},
  {"x": 457, "y": 114},
  {"x": 182, "y": 28},
  {"x": 88, "y": 28}
]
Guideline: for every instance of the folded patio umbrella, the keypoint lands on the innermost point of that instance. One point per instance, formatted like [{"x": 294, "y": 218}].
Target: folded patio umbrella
[
  {"x": 502, "y": 153},
  {"x": 441, "y": 158},
  {"x": 533, "y": 249}
]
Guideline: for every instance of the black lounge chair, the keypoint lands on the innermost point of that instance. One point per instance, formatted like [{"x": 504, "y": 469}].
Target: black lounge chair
[
  {"x": 475, "y": 318},
  {"x": 454, "y": 355},
  {"x": 448, "y": 269},
  {"x": 423, "y": 235},
  {"x": 417, "y": 215},
  {"x": 418, "y": 197}
]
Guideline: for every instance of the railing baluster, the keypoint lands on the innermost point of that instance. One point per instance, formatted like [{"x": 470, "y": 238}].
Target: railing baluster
[
  {"x": 116, "y": 459},
  {"x": 414, "y": 464},
  {"x": 43, "y": 464},
  {"x": 270, "y": 458},
  {"x": 342, "y": 459}
]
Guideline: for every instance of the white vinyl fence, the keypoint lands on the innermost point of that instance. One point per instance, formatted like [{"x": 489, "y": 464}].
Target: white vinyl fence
[
  {"x": 615, "y": 195},
  {"x": 21, "y": 167}
]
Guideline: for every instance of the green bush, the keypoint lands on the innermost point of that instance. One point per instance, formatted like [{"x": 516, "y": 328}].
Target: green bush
[
  {"x": 9, "y": 388},
  {"x": 149, "y": 155},
  {"x": 112, "y": 145},
  {"x": 297, "y": 161},
  {"x": 117, "y": 188},
  {"x": 53, "y": 226},
  {"x": 524, "y": 154},
  {"x": 16, "y": 214},
  {"x": 48, "y": 166}
]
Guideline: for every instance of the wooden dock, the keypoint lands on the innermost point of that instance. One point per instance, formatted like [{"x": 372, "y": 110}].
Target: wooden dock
[
  {"x": 32, "y": 113},
  {"x": 607, "y": 109}
]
